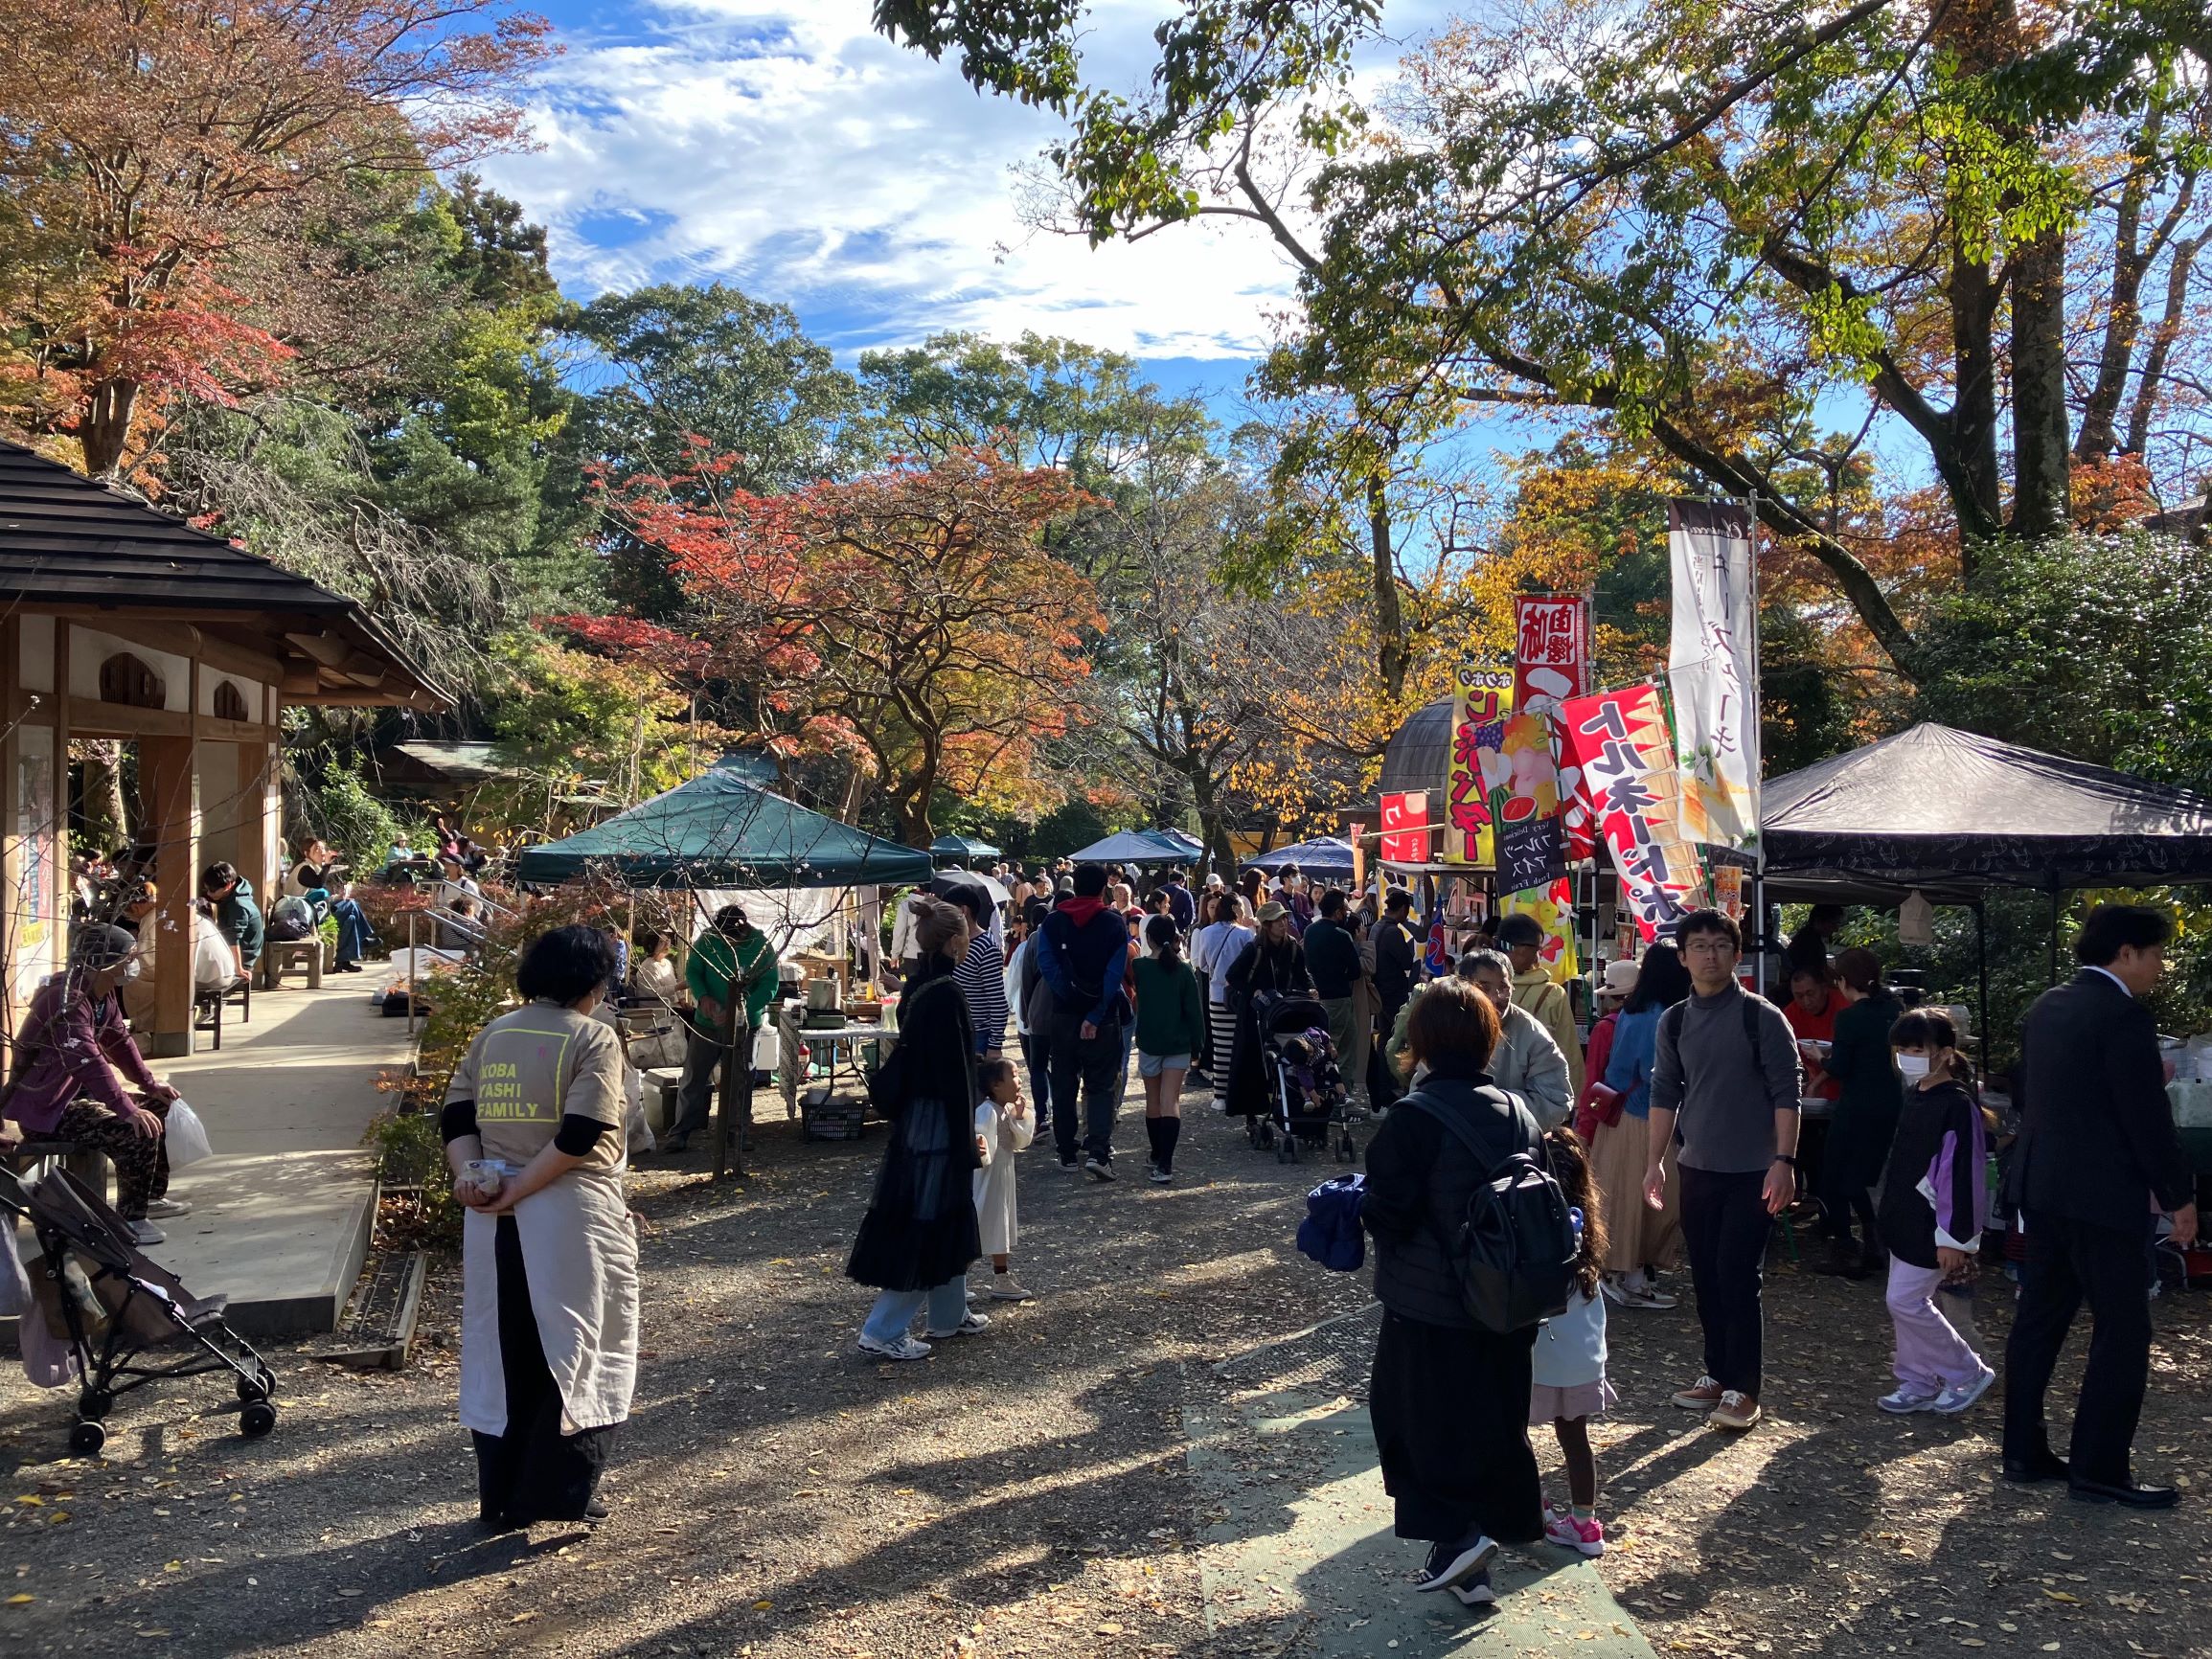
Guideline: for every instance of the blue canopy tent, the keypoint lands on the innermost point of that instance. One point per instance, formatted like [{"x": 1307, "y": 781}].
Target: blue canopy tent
[
  {"x": 1323, "y": 856},
  {"x": 1141, "y": 847},
  {"x": 952, "y": 846},
  {"x": 722, "y": 831}
]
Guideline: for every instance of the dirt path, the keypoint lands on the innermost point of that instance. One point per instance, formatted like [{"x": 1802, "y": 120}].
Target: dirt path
[{"x": 1027, "y": 1492}]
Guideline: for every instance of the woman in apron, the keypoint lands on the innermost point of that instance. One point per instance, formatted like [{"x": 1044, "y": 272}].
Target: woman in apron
[{"x": 534, "y": 1133}]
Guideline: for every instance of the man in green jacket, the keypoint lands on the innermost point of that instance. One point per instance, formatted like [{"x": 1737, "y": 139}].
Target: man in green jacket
[{"x": 732, "y": 964}]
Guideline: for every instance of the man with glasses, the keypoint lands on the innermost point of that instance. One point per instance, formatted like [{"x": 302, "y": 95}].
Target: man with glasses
[{"x": 1726, "y": 1076}]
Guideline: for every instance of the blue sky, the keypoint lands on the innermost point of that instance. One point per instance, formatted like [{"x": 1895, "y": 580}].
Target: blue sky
[{"x": 784, "y": 147}]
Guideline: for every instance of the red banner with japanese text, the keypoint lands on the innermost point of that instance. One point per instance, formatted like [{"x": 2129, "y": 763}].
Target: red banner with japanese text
[
  {"x": 1550, "y": 664},
  {"x": 1476, "y": 768},
  {"x": 1406, "y": 828},
  {"x": 1621, "y": 743}
]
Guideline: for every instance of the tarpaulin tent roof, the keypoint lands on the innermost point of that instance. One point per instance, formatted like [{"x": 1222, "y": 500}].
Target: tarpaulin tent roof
[
  {"x": 1324, "y": 853},
  {"x": 721, "y": 831},
  {"x": 1946, "y": 810},
  {"x": 951, "y": 846},
  {"x": 1141, "y": 847}
]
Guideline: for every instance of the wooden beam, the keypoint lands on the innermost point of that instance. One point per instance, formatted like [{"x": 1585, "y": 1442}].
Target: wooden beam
[
  {"x": 326, "y": 649},
  {"x": 90, "y": 717},
  {"x": 182, "y": 638},
  {"x": 213, "y": 729}
]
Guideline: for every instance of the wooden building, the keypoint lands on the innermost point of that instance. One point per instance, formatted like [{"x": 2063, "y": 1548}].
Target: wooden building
[{"x": 119, "y": 621}]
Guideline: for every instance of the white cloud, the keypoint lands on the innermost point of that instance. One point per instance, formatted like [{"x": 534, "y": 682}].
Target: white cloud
[{"x": 789, "y": 150}]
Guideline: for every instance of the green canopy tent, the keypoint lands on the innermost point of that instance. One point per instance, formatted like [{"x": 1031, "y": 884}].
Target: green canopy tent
[{"x": 721, "y": 831}]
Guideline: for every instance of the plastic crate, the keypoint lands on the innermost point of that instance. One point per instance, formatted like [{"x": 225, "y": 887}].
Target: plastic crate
[{"x": 837, "y": 1120}]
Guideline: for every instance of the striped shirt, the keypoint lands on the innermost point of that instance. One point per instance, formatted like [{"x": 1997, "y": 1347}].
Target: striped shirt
[{"x": 981, "y": 980}]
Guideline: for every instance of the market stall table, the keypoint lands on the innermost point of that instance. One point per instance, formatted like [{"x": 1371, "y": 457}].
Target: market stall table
[
  {"x": 2192, "y": 1102},
  {"x": 842, "y": 1045}
]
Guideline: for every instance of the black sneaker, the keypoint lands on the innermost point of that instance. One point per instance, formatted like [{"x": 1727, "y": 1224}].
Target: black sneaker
[
  {"x": 1451, "y": 1565},
  {"x": 1158, "y": 1176},
  {"x": 1098, "y": 1169},
  {"x": 1070, "y": 1161}
]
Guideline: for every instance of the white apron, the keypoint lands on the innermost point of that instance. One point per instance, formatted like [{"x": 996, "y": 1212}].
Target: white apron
[{"x": 581, "y": 1253}]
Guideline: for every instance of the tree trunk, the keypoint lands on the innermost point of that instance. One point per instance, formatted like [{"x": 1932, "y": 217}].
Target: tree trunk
[
  {"x": 2042, "y": 500},
  {"x": 2124, "y": 316},
  {"x": 1389, "y": 616},
  {"x": 1977, "y": 483},
  {"x": 2163, "y": 338},
  {"x": 104, "y": 429},
  {"x": 106, "y": 813}
]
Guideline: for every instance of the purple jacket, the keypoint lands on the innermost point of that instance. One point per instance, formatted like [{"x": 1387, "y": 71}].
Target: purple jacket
[{"x": 72, "y": 1049}]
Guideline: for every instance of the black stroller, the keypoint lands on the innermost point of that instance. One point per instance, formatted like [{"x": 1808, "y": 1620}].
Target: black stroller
[
  {"x": 1307, "y": 1100},
  {"x": 118, "y": 1311}
]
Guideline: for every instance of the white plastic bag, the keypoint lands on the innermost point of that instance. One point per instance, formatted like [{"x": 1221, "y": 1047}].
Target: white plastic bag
[{"x": 186, "y": 1135}]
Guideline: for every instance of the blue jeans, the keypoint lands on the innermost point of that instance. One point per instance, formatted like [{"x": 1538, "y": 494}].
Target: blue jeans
[
  {"x": 895, "y": 1309},
  {"x": 353, "y": 929}
]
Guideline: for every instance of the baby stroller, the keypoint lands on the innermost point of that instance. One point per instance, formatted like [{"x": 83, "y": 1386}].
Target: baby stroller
[
  {"x": 128, "y": 1320},
  {"x": 1306, "y": 1099}
]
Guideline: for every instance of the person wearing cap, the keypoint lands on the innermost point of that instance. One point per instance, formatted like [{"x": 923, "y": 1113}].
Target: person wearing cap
[
  {"x": 1613, "y": 989},
  {"x": 1275, "y": 960},
  {"x": 731, "y": 960},
  {"x": 79, "y": 1078},
  {"x": 1520, "y": 936}
]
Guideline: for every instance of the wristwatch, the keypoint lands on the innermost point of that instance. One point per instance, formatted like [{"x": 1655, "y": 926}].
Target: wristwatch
[{"x": 1786, "y": 1158}]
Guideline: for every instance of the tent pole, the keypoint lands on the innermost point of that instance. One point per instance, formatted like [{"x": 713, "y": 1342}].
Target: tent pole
[
  {"x": 1981, "y": 966},
  {"x": 2053, "y": 978}
]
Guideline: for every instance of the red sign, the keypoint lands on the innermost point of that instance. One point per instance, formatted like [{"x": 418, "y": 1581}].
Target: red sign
[
  {"x": 1551, "y": 656},
  {"x": 1406, "y": 828},
  {"x": 1625, "y": 752}
]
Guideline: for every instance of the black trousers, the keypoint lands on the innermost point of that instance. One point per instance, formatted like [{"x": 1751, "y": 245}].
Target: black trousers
[
  {"x": 532, "y": 1472},
  {"x": 2068, "y": 1262},
  {"x": 1726, "y": 1227},
  {"x": 1089, "y": 1068}
]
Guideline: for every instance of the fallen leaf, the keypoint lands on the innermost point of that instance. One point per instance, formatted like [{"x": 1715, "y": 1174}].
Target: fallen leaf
[
  {"x": 764, "y": 1606},
  {"x": 20, "y": 1599}
]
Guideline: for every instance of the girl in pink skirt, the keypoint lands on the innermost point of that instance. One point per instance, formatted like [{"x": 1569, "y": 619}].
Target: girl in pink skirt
[{"x": 1568, "y": 1379}]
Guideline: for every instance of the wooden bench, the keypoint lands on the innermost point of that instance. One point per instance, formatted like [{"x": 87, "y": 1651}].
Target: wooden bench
[
  {"x": 283, "y": 956},
  {"x": 88, "y": 1164}
]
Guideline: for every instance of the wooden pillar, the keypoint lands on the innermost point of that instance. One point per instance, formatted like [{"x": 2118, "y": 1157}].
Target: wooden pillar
[
  {"x": 13, "y": 919},
  {"x": 260, "y": 819},
  {"x": 60, "y": 825},
  {"x": 169, "y": 780}
]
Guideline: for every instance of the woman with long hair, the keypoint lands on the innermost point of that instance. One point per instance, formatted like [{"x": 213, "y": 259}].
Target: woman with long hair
[
  {"x": 1643, "y": 1240},
  {"x": 533, "y": 1126},
  {"x": 919, "y": 1236},
  {"x": 1450, "y": 1398},
  {"x": 1171, "y": 1027}
]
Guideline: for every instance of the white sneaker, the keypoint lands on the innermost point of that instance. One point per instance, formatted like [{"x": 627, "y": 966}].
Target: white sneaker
[
  {"x": 905, "y": 1347},
  {"x": 1901, "y": 1400},
  {"x": 1476, "y": 1592},
  {"x": 975, "y": 1325},
  {"x": 145, "y": 1233},
  {"x": 1005, "y": 1287},
  {"x": 1953, "y": 1401},
  {"x": 162, "y": 1209}
]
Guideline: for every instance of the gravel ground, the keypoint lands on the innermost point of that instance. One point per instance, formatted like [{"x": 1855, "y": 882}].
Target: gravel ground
[{"x": 1025, "y": 1493}]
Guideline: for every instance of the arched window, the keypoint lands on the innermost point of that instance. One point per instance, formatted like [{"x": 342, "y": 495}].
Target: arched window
[
  {"x": 230, "y": 703},
  {"x": 126, "y": 680}
]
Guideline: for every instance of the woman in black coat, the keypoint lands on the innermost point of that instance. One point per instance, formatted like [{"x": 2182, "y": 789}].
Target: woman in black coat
[
  {"x": 1276, "y": 961},
  {"x": 1865, "y": 1117},
  {"x": 919, "y": 1234},
  {"x": 1448, "y": 1398}
]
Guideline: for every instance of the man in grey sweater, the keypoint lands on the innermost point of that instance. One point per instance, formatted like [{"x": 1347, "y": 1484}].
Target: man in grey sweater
[{"x": 1726, "y": 1076}]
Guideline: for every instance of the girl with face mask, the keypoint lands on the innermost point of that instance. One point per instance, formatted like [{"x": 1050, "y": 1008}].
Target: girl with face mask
[{"x": 1934, "y": 1202}]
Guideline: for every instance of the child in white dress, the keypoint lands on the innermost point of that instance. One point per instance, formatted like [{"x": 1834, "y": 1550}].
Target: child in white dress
[
  {"x": 1003, "y": 1127},
  {"x": 1568, "y": 1371}
]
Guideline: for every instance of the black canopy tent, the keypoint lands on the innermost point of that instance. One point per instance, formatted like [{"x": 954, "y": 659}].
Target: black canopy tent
[{"x": 1950, "y": 814}]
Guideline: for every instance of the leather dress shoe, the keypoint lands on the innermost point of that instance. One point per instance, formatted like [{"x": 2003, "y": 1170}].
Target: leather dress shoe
[
  {"x": 2134, "y": 1496},
  {"x": 2045, "y": 1466}
]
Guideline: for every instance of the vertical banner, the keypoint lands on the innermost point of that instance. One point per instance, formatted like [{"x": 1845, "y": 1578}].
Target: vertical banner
[
  {"x": 1406, "y": 828},
  {"x": 1481, "y": 699},
  {"x": 1554, "y": 906},
  {"x": 1354, "y": 834},
  {"x": 1713, "y": 670},
  {"x": 37, "y": 899},
  {"x": 1550, "y": 664},
  {"x": 1627, "y": 755}
]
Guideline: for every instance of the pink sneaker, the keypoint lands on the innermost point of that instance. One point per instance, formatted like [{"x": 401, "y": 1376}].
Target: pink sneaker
[{"x": 1561, "y": 1526}]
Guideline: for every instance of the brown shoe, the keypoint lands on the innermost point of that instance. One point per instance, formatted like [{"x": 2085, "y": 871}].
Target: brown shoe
[
  {"x": 1736, "y": 1410},
  {"x": 1703, "y": 1394}
]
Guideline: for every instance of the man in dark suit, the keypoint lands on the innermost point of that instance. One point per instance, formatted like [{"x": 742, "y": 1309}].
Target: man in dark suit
[{"x": 2097, "y": 1146}]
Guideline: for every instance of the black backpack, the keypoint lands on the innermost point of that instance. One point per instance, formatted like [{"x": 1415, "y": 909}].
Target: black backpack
[{"x": 1516, "y": 1248}]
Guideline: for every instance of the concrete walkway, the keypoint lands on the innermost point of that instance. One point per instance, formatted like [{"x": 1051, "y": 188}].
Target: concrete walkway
[
  {"x": 281, "y": 1213},
  {"x": 1307, "y": 1547}
]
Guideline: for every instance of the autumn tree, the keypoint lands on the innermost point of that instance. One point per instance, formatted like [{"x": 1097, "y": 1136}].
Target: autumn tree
[
  {"x": 911, "y": 615},
  {"x": 162, "y": 170}
]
